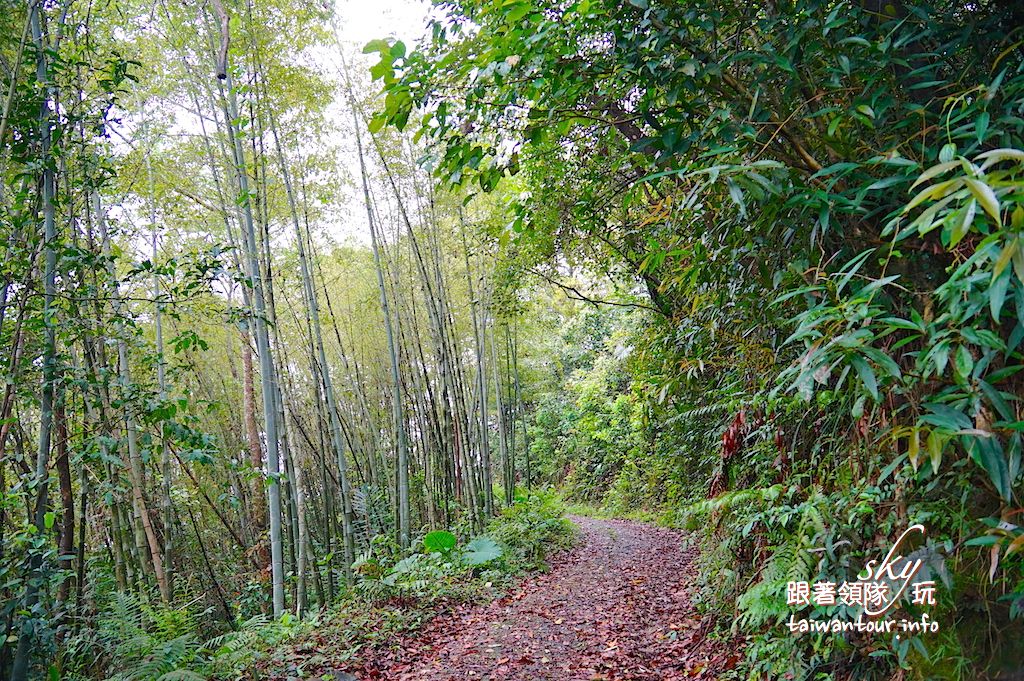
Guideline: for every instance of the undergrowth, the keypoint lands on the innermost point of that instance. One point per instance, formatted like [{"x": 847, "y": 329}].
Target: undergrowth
[
  {"x": 396, "y": 595},
  {"x": 140, "y": 639}
]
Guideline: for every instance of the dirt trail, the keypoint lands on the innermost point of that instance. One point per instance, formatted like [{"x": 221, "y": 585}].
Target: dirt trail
[{"x": 614, "y": 608}]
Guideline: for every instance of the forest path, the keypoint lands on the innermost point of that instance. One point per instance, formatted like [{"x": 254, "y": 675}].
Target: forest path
[{"x": 615, "y": 607}]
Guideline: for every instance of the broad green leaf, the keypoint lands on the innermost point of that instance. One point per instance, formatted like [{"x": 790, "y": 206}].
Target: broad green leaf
[
  {"x": 835, "y": 168},
  {"x": 934, "y": 171},
  {"x": 867, "y": 375},
  {"x": 986, "y": 452},
  {"x": 994, "y": 156},
  {"x": 981, "y": 125},
  {"x": 997, "y": 400},
  {"x": 377, "y": 45},
  {"x": 984, "y": 540},
  {"x": 883, "y": 361},
  {"x": 946, "y": 417},
  {"x": 963, "y": 362},
  {"x": 962, "y": 223},
  {"x": 936, "y": 191},
  {"x": 439, "y": 541},
  {"x": 898, "y": 323},
  {"x": 997, "y": 294},
  {"x": 480, "y": 551},
  {"x": 986, "y": 197}
]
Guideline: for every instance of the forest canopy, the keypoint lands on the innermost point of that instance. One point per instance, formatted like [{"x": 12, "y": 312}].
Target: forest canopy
[
  {"x": 305, "y": 341},
  {"x": 822, "y": 204}
]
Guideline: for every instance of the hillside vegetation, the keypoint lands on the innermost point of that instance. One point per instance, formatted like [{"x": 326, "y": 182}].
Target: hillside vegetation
[{"x": 306, "y": 343}]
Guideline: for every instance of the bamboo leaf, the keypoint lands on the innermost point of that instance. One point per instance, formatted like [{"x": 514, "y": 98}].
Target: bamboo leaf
[
  {"x": 934, "y": 444},
  {"x": 965, "y": 218},
  {"x": 994, "y": 156},
  {"x": 1007, "y": 254},
  {"x": 936, "y": 191},
  {"x": 934, "y": 171},
  {"x": 913, "y": 446},
  {"x": 866, "y": 374},
  {"x": 986, "y": 197}
]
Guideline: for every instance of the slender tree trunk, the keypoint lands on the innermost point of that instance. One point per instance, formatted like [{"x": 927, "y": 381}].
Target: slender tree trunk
[
  {"x": 324, "y": 374},
  {"x": 161, "y": 373},
  {"x": 519, "y": 406},
  {"x": 23, "y": 653},
  {"x": 499, "y": 408},
  {"x": 66, "y": 545},
  {"x": 481, "y": 375},
  {"x": 301, "y": 550},
  {"x": 263, "y": 350},
  {"x": 258, "y": 521},
  {"x": 228, "y": 614},
  {"x": 402, "y": 460},
  {"x": 146, "y": 539},
  {"x": 80, "y": 557}
]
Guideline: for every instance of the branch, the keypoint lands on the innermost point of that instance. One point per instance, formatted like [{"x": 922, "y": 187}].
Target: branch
[
  {"x": 573, "y": 293},
  {"x": 216, "y": 510},
  {"x": 783, "y": 126}
]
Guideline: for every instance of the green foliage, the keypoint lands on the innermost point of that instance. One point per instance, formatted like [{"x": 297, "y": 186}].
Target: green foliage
[
  {"x": 823, "y": 204},
  {"x": 517, "y": 540},
  {"x": 603, "y": 438},
  {"x": 250, "y": 641},
  {"x": 530, "y": 530},
  {"x": 440, "y": 541},
  {"x": 393, "y": 598},
  {"x": 480, "y": 551},
  {"x": 760, "y": 539},
  {"x": 136, "y": 640}
]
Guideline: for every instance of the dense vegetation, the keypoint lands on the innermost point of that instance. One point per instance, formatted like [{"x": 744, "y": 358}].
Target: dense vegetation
[
  {"x": 254, "y": 360},
  {"x": 812, "y": 213},
  {"x": 291, "y": 338}
]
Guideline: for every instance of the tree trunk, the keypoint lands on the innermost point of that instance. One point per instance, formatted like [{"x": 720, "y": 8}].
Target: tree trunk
[
  {"x": 161, "y": 373},
  {"x": 262, "y": 349},
  {"x": 66, "y": 545},
  {"x": 402, "y": 459},
  {"x": 23, "y": 653}
]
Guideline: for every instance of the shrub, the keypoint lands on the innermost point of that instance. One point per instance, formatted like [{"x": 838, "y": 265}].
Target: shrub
[{"x": 531, "y": 529}]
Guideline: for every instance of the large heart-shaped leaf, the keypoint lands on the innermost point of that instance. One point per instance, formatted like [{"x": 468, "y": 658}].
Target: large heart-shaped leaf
[
  {"x": 440, "y": 541},
  {"x": 481, "y": 551}
]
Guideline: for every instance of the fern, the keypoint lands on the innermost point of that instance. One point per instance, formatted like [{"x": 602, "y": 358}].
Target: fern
[
  {"x": 725, "y": 502},
  {"x": 371, "y": 517},
  {"x": 181, "y": 675},
  {"x": 161, "y": 659},
  {"x": 237, "y": 649},
  {"x": 148, "y": 641},
  {"x": 764, "y": 602}
]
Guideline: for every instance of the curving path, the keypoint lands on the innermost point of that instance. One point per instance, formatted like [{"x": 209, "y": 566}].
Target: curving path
[{"x": 615, "y": 608}]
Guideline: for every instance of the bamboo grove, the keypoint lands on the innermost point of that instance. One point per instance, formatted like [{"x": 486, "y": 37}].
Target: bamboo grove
[
  {"x": 208, "y": 396},
  {"x": 277, "y": 305},
  {"x": 812, "y": 214}
]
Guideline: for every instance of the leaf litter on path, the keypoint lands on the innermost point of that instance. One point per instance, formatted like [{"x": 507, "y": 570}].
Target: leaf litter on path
[{"x": 616, "y": 608}]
